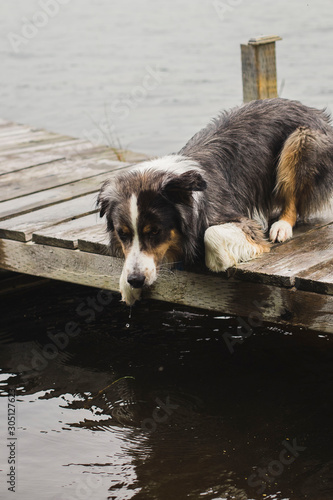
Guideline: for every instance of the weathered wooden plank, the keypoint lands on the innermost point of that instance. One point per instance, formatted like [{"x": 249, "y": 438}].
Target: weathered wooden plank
[
  {"x": 22, "y": 227},
  {"x": 318, "y": 278},
  {"x": 26, "y": 139},
  {"x": 285, "y": 262},
  {"x": 94, "y": 241},
  {"x": 13, "y": 130},
  {"x": 66, "y": 235},
  {"x": 20, "y": 162},
  {"x": 21, "y": 134},
  {"x": 50, "y": 175},
  {"x": 263, "y": 40},
  {"x": 31, "y": 147},
  {"x": 56, "y": 151},
  {"x": 5, "y": 123},
  {"x": 255, "y": 302},
  {"x": 42, "y": 199},
  {"x": 60, "y": 263},
  {"x": 52, "y": 140}
]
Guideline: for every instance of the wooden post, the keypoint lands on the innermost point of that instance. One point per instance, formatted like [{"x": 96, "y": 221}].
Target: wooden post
[{"x": 259, "y": 68}]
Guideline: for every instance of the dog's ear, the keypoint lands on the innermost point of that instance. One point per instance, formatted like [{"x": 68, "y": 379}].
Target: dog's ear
[
  {"x": 103, "y": 199},
  {"x": 178, "y": 188},
  {"x": 106, "y": 202}
]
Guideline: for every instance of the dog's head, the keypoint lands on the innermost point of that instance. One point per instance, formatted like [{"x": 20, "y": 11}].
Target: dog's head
[{"x": 146, "y": 216}]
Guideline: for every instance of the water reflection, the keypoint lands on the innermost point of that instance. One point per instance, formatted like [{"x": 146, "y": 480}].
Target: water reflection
[{"x": 161, "y": 408}]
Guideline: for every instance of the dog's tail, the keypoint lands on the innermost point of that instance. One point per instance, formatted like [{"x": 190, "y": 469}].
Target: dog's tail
[{"x": 305, "y": 171}]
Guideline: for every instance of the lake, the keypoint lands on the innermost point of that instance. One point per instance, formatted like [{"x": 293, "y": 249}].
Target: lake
[{"x": 150, "y": 74}]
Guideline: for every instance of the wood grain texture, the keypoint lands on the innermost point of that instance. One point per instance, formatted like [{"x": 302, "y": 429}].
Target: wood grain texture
[
  {"x": 24, "y": 137},
  {"x": 61, "y": 150},
  {"x": 13, "y": 129},
  {"x": 255, "y": 302},
  {"x": 94, "y": 241},
  {"x": 50, "y": 175},
  {"x": 45, "y": 198},
  {"x": 34, "y": 147},
  {"x": 318, "y": 278},
  {"x": 249, "y": 73},
  {"x": 266, "y": 64},
  {"x": 61, "y": 264},
  {"x": 22, "y": 227},
  {"x": 285, "y": 262},
  {"x": 259, "y": 69},
  {"x": 41, "y": 140},
  {"x": 66, "y": 235},
  {"x": 10, "y": 162}
]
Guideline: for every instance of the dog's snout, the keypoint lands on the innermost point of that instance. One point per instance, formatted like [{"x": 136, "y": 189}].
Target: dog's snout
[{"x": 136, "y": 280}]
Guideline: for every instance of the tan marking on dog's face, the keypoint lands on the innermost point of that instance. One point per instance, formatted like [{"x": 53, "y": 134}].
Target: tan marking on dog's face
[
  {"x": 126, "y": 249},
  {"x": 168, "y": 251},
  {"x": 124, "y": 237}
]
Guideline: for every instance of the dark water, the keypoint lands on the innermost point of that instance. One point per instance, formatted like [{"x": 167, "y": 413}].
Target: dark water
[{"x": 157, "y": 406}]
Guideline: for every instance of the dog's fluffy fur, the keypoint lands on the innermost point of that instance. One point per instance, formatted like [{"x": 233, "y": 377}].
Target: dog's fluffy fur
[{"x": 214, "y": 199}]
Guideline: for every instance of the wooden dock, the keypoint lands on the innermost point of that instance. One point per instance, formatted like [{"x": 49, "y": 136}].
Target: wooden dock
[{"x": 49, "y": 227}]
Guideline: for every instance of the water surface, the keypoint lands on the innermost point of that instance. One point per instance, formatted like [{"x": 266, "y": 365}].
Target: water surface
[
  {"x": 157, "y": 406},
  {"x": 86, "y": 72}
]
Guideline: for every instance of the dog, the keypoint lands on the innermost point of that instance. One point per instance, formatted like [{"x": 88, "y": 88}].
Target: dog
[{"x": 213, "y": 200}]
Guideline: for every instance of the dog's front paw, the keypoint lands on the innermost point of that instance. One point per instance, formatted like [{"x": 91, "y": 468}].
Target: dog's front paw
[
  {"x": 281, "y": 231},
  {"x": 217, "y": 258},
  {"x": 226, "y": 245},
  {"x": 129, "y": 295}
]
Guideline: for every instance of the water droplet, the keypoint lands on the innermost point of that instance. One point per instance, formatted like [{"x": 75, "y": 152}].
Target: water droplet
[{"x": 127, "y": 325}]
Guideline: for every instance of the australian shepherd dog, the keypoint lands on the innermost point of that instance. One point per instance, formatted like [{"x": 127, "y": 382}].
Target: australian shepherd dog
[{"x": 213, "y": 201}]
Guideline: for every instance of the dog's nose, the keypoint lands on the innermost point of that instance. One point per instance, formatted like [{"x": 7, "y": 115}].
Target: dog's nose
[{"x": 136, "y": 280}]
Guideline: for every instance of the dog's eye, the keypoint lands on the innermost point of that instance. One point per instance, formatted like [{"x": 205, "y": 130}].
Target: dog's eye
[
  {"x": 123, "y": 235},
  {"x": 154, "y": 231},
  {"x": 150, "y": 231}
]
